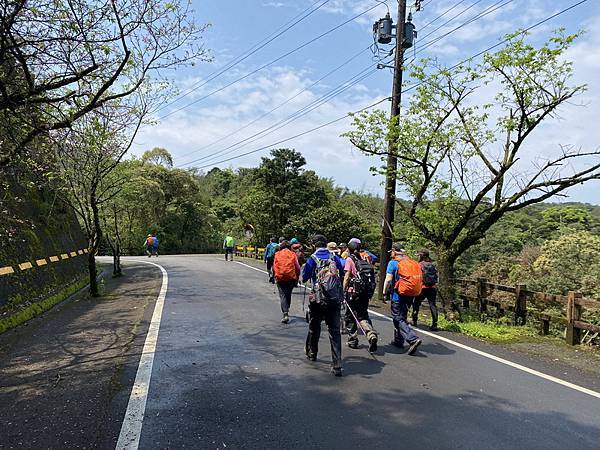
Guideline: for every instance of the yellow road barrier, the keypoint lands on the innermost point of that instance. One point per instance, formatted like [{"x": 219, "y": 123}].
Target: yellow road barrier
[{"x": 26, "y": 265}]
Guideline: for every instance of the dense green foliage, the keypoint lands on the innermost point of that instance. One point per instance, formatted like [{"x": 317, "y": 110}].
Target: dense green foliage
[{"x": 550, "y": 247}]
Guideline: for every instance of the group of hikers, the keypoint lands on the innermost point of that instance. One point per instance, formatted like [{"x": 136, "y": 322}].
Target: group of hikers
[
  {"x": 151, "y": 245},
  {"x": 342, "y": 277}
]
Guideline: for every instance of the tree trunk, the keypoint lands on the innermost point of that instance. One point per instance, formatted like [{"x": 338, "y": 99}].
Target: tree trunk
[
  {"x": 93, "y": 272},
  {"x": 446, "y": 283},
  {"x": 94, "y": 244}
]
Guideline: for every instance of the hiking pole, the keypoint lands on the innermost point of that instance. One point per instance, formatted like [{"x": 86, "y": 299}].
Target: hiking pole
[{"x": 359, "y": 326}]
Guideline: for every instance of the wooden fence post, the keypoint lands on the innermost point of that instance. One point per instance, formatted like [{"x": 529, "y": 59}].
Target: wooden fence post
[
  {"x": 573, "y": 314},
  {"x": 482, "y": 294},
  {"x": 520, "y": 304}
]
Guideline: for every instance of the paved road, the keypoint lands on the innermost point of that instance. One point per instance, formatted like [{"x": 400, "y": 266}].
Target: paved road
[{"x": 227, "y": 374}]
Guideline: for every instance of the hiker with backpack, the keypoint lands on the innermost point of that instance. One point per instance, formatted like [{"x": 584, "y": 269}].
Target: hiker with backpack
[
  {"x": 364, "y": 253},
  {"x": 404, "y": 280},
  {"x": 151, "y": 245},
  {"x": 228, "y": 246},
  {"x": 286, "y": 271},
  {"x": 428, "y": 290},
  {"x": 325, "y": 270},
  {"x": 359, "y": 287},
  {"x": 270, "y": 250}
]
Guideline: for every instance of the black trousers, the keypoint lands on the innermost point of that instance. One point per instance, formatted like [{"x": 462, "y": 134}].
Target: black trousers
[
  {"x": 331, "y": 314},
  {"x": 270, "y": 260},
  {"x": 430, "y": 294},
  {"x": 360, "y": 306}
]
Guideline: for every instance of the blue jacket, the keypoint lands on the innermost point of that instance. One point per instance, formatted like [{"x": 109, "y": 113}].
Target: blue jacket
[
  {"x": 310, "y": 272},
  {"x": 268, "y": 248}
]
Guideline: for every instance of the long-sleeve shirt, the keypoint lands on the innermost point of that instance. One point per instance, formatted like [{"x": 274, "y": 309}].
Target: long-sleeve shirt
[{"x": 310, "y": 268}]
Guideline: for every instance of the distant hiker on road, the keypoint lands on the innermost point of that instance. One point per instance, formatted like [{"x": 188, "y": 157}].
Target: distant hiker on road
[
  {"x": 286, "y": 271},
  {"x": 359, "y": 286},
  {"x": 228, "y": 246},
  {"x": 428, "y": 290},
  {"x": 151, "y": 245},
  {"x": 325, "y": 270},
  {"x": 298, "y": 249},
  {"x": 270, "y": 250},
  {"x": 404, "y": 277}
]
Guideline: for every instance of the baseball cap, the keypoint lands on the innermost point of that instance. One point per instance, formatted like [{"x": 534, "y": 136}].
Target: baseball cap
[
  {"x": 397, "y": 247},
  {"x": 332, "y": 246}
]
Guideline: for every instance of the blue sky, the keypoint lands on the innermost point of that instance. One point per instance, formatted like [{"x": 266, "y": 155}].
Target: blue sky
[{"x": 238, "y": 25}]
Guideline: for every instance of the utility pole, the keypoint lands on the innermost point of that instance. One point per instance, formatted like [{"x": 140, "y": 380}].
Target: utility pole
[{"x": 389, "y": 200}]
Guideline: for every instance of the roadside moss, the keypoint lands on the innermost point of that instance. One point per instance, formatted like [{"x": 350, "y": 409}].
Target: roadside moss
[{"x": 40, "y": 307}]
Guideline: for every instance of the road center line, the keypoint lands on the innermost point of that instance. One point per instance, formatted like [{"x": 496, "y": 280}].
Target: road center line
[
  {"x": 131, "y": 429},
  {"x": 482, "y": 353}
]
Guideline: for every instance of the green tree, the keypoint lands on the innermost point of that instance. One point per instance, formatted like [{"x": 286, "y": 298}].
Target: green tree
[
  {"x": 459, "y": 163},
  {"x": 568, "y": 263}
]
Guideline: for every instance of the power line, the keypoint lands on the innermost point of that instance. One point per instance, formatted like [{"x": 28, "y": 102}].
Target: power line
[
  {"x": 490, "y": 9},
  {"x": 289, "y": 99},
  {"x": 331, "y": 122},
  {"x": 442, "y": 15},
  {"x": 541, "y": 22},
  {"x": 279, "y": 58},
  {"x": 251, "y": 51},
  {"x": 363, "y": 74},
  {"x": 300, "y": 113}
]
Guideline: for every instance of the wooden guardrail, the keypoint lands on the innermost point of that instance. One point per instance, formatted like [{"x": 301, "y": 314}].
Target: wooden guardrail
[
  {"x": 521, "y": 302},
  {"x": 249, "y": 251}
]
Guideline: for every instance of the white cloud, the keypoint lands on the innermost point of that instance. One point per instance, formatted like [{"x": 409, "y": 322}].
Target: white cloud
[{"x": 332, "y": 156}]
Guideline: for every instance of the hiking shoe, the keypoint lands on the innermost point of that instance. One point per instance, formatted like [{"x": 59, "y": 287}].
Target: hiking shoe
[
  {"x": 285, "y": 318},
  {"x": 311, "y": 356},
  {"x": 414, "y": 346},
  {"x": 336, "y": 371},
  {"x": 434, "y": 328},
  {"x": 373, "y": 344},
  {"x": 353, "y": 344}
]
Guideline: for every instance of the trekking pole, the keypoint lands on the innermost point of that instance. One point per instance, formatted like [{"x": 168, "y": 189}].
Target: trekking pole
[{"x": 359, "y": 326}]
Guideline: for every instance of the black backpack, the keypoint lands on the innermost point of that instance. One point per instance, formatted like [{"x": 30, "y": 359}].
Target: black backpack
[
  {"x": 430, "y": 274},
  {"x": 364, "y": 283}
]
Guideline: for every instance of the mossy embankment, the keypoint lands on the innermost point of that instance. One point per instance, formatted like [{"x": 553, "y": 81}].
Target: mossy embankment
[{"x": 34, "y": 226}]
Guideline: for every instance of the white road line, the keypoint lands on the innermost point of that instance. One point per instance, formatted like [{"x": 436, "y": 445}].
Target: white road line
[
  {"x": 131, "y": 429},
  {"x": 485, "y": 354}
]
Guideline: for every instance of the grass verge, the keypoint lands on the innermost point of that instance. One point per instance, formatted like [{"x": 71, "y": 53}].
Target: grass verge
[
  {"x": 490, "y": 330},
  {"x": 37, "y": 308}
]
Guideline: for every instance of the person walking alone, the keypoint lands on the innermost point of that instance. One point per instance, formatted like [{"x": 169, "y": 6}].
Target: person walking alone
[
  {"x": 325, "y": 270},
  {"x": 428, "y": 290},
  {"x": 228, "y": 245},
  {"x": 286, "y": 271},
  {"x": 404, "y": 277}
]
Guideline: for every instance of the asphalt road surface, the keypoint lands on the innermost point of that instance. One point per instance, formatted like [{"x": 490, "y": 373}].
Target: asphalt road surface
[
  {"x": 228, "y": 374},
  {"x": 225, "y": 373}
]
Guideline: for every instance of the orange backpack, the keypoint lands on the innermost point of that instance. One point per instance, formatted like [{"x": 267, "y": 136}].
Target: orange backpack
[
  {"x": 150, "y": 241},
  {"x": 410, "y": 277},
  {"x": 284, "y": 266}
]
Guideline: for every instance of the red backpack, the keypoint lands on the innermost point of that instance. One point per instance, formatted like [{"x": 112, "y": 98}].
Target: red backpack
[
  {"x": 410, "y": 277},
  {"x": 284, "y": 266}
]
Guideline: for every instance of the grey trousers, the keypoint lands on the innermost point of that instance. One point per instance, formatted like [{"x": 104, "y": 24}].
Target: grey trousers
[{"x": 285, "y": 294}]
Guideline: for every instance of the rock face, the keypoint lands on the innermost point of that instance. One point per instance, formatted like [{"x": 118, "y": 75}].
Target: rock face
[{"x": 41, "y": 245}]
